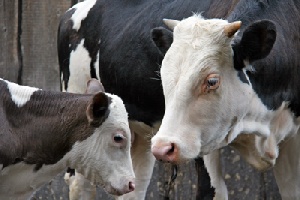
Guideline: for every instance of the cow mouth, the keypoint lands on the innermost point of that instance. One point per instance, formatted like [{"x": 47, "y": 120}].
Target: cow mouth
[{"x": 114, "y": 191}]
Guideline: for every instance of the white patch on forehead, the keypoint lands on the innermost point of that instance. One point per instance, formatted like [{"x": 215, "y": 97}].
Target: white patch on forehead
[
  {"x": 117, "y": 108},
  {"x": 79, "y": 69},
  {"x": 82, "y": 10},
  {"x": 199, "y": 32},
  {"x": 20, "y": 94}
]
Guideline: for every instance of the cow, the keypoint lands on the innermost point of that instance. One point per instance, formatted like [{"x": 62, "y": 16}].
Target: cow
[
  {"x": 110, "y": 41},
  {"x": 44, "y": 132},
  {"x": 223, "y": 78}
]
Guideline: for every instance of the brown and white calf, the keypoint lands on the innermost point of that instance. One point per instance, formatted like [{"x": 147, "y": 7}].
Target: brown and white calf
[
  {"x": 222, "y": 79},
  {"x": 43, "y": 132}
]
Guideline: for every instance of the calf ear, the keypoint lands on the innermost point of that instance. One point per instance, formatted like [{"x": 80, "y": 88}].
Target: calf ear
[
  {"x": 94, "y": 86},
  {"x": 256, "y": 42},
  {"x": 162, "y": 38},
  {"x": 97, "y": 110}
]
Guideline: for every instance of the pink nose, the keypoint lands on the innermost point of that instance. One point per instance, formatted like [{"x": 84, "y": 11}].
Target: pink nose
[
  {"x": 167, "y": 152},
  {"x": 127, "y": 188}
]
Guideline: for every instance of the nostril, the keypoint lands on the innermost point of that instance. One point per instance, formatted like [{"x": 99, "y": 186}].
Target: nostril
[
  {"x": 171, "y": 150},
  {"x": 131, "y": 186}
]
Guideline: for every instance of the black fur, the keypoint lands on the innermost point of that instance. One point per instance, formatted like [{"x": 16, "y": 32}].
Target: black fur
[
  {"x": 275, "y": 77},
  {"x": 162, "y": 38}
]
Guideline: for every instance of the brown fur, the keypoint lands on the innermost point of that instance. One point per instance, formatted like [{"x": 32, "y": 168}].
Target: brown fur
[{"x": 45, "y": 128}]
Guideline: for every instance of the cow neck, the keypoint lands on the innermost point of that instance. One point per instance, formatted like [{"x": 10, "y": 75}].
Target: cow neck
[
  {"x": 255, "y": 119},
  {"x": 45, "y": 128},
  {"x": 259, "y": 120}
]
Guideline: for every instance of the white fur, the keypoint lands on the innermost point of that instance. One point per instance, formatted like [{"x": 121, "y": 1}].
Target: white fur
[
  {"x": 79, "y": 69},
  {"x": 96, "y": 65},
  {"x": 213, "y": 165},
  {"x": 20, "y": 94},
  {"x": 80, "y": 188},
  {"x": 82, "y": 10}
]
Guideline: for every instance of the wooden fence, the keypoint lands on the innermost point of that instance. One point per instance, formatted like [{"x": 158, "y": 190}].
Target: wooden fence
[{"x": 28, "y": 56}]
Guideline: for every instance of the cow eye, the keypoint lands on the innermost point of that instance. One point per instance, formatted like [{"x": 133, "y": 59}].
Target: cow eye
[
  {"x": 212, "y": 81},
  {"x": 118, "y": 138}
]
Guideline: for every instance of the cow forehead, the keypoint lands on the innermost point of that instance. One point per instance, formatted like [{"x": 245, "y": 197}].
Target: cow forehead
[
  {"x": 198, "y": 31},
  {"x": 200, "y": 47},
  {"x": 118, "y": 116}
]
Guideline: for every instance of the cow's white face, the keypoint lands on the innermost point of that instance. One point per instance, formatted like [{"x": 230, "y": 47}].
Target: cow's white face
[
  {"x": 206, "y": 101},
  {"x": 105, "y": 156}
]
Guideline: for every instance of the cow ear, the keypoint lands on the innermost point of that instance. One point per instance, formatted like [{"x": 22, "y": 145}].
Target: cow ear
[
  {"x": 94, "y": 86},
  {"x": 97, "y": 110},
  {"x": 162, "y": 38},
  {"x": 256, "y": 42}
]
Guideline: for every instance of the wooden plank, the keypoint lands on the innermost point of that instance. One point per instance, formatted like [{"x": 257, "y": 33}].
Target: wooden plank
[
  {"x": 9, "y": 61},
  {"x": 39, "y": 34}
]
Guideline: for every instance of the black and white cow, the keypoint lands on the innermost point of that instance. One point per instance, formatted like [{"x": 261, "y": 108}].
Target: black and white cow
[
  {"x": 110, "y": 40},
  {"x": 44, "y": 132},
  {"x": 223, "y": 78}
]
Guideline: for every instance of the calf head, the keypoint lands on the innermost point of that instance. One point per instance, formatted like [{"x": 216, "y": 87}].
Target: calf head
[
  {"x": 208, "y": 96},
  {"x": 107, "y": 150}
]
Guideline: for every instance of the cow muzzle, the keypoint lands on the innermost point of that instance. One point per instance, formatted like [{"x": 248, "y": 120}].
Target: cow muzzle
[
  {"x": 166, "y": 151},
  {"x": 127, "y": 186}
]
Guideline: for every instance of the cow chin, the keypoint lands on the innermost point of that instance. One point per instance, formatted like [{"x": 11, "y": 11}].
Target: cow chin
[{"x": 112, "y": 190}]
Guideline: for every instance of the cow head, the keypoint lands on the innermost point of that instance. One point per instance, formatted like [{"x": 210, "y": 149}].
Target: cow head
[
  {"x": 109, "y": 145},
  {"x": 209, "y": 99}
]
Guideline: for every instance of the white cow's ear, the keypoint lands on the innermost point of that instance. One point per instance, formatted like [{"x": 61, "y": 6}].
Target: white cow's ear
[
  {"x": 256, "y": 42},
  {"x": 171, "y": 23},
  {"x": 97, "y": 110},
  {"x": 94, "y": 86}
]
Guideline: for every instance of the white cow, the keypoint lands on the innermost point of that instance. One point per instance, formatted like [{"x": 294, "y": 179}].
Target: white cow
[{"x": 213, "y": 96}]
